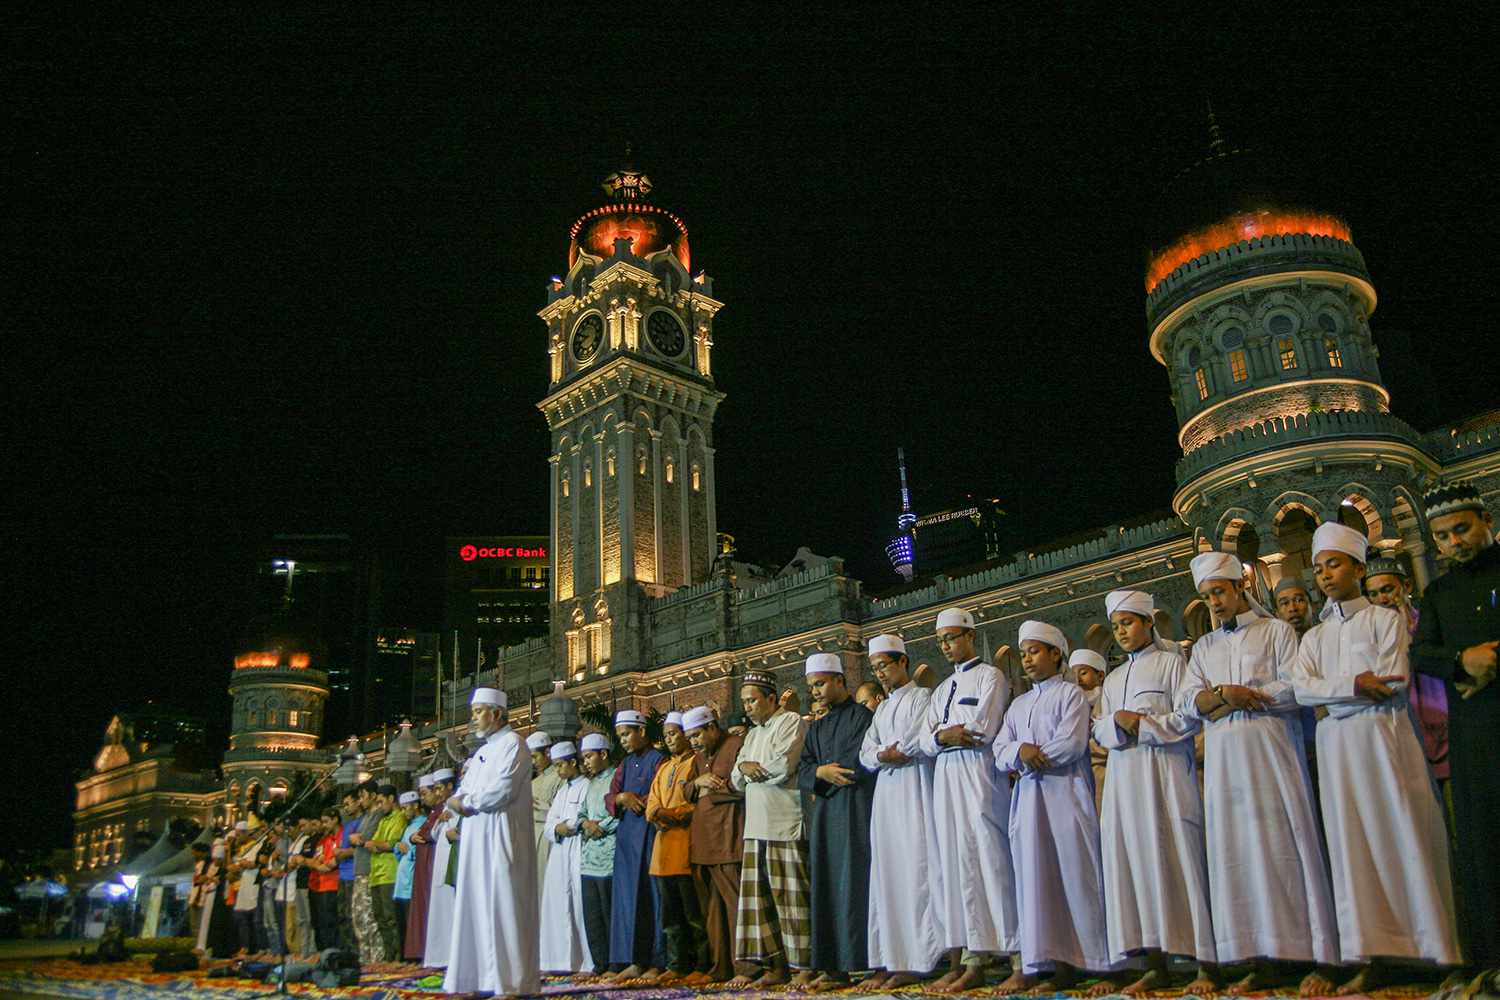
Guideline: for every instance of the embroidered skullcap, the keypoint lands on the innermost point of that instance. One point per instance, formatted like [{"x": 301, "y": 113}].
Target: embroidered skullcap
[
  {"x": 241, "y": 826},
  {"x": 697, "y": 718},
  {"x": 441, "y": 775},
  {"x": 1088, "y": 658},
  {"x": 1216, "y": 566},
  {"x": 1137, "y": 602},
  {"x": 595, "y": 741},
  {"x": 1334, "y": 537},
  {"x": 1290, "y": 583},
  {"x": 673, "y": 719},
  {"x": 563, "y": 750},
  {"x": 629, "y": 717},
  {"x": 1385, "y": 566},
  {"x": 407, "y": 798},
  {"x": 1042, "y": 632},
  {"x": 889, "y": 645},
  {"x": 754, "y": 678},
  {"x": 538, "y": 741},
  {"x": 824, "y": 663},
  {"x": 955, "y": 618},
  {"x": 489, "y": 696},
  {"x": 1452, "y": 499},
  {"x": 424, "y": 781}
]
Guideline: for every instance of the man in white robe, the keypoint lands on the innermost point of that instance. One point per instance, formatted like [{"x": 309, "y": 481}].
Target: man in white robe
[
  {"x": 904, "y": 941},
  {"x": 1387, "y": 845},
  {"x": 565, "y": 945},
  {"x": 440, "y": 893},
  {"x": 1054, "y": 829},
  {"x": 1151, "y": 827},
  {"x": 494, "y": 945},
  {"x": 975, "y": 899},
  {"x": 1268, "y": 883},
  {"x": 544, "y": 785}
]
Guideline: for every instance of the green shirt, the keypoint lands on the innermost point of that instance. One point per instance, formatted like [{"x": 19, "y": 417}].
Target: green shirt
[
  {"x": 383, "y": 865},
  {"x": 598, "y": 856}
]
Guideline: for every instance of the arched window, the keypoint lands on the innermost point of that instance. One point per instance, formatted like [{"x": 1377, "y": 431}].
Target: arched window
[
  {"x": 588, "y": 474},
  {"x": 609, "y": 464},
  {"x": 1202, "y": 381},
  {"x": 1238, "y": 370},
  {"x": 1288, "y": 352},
  {"x": 640, "y": 461},
  {"x": 671, "y": 470},
  {"x": 1335, "y": 356},
  {"x": 566, "y": 491},
  {"x": 697, "y": 478}
]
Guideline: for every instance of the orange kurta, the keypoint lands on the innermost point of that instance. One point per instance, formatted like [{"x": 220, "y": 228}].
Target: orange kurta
[{"x": 668, "y": 807}]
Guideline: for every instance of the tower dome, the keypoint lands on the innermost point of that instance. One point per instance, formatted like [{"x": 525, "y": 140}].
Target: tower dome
[{"x": 628, "y": 214}]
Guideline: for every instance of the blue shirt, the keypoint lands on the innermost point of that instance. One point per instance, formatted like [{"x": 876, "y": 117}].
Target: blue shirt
[
  {"x": 406, "y": 864},
  {"x": 346, "y": 865}
]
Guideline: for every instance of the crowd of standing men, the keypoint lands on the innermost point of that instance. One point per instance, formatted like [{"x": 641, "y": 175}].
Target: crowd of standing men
[{"x": 953, "y": 829}]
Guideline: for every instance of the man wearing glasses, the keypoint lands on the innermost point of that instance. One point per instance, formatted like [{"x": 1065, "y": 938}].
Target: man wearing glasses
[{"x": 973, "y": 886}]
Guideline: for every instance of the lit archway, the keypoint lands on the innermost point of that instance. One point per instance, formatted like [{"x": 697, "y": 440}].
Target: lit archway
[{"x": 1196, "y": 620}]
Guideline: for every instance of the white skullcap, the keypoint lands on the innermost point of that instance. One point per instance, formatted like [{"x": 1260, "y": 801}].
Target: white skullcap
[
  {"x": 697, "y": 718},
  {"x": 595, "y": 741},
  {"x": 442, "y": 774},
  {"x": 241, "y": 826},
  {"x": 824, "y": 663},
  {"x": 673, "y": 719},
  {"x": 1137, "y": 602},
  {"x": 1339, "y": 538},
  {"x": 424, "y": 781},
  {"x": 563, "y": 750},
  {"x": 406, "y": 798},
  {"x": 489, "y": 696},
  {"x": 890, "y": 645},
  {"x": 955, "y": 618},
  {"x": 538, "y": 741},
  {"x": 1088, "y": 658},
  {"x": 629, "y": 717},
  {"x": 217, "y": 851},
  {"x": 1042, "y": 632},
  {"x": 1216, "y": 566}
]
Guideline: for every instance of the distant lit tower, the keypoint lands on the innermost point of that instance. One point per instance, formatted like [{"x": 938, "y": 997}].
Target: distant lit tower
[
  {"x": 1259, "y": 308},
  {"x": 900, "y": 549},
  {"x": 630, "y": 408}
]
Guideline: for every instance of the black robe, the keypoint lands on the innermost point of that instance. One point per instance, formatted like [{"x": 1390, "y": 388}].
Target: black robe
[
  {"x": 838, "y": 852},
  {"x": 221, "y": 941},
  {"x": 1460, "y": 610}
]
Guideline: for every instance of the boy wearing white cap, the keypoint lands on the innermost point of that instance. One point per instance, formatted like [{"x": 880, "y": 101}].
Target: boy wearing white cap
[
  {"x": 717, "y": 836},
  {"x": 1258, "y": 802},
  {"x": 1088, "y": 670},
  {"x": 440, "y": 894},
  {"x": 1151, "y": 826},
  {"x": 1054, "y": 827},
  {"x": 494, "y": 944},
  {"x": 633, "y": 938},
  {"x": 904, "y": 942},
  {"x": 669, "y": 809},
  {"x": 596, "y": 861},
  {"x": 1387, "y": 846},
  {"x": 838, "y": 843},
  {"x": 975, "y": 896},
  {"x": 564, "y": 935},
  {"x": 545, "y": 784}
]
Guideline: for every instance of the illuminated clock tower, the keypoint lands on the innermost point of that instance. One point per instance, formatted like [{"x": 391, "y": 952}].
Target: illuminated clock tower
[{"x": 630, "y": 409}]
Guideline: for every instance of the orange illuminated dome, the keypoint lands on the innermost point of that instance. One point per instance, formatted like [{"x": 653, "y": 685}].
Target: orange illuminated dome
[
  {"x": 1242, "y": 226},
  {"x": 271, "y": 658},
  {"x": 649, "y": 229}
]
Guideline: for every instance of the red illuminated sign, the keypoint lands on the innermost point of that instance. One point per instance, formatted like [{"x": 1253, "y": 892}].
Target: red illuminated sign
[{"x": 470, "y": 552}]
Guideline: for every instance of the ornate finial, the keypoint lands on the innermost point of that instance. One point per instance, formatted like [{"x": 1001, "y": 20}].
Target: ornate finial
[{"x": 627, "y": 182}]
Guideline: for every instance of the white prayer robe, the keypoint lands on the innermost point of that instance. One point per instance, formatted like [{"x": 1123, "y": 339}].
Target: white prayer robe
[
  {"x": 565, "y": 946},
  {"x": 975, "y": 900},
  {"x": 1151, "y": 827},
  {"x": 495, "y": 945},
  {"x": 1268, "y": 883},
  {"x": 1054, "y": 830},
  {"x": 903, "y": 935},
  {"x": 544, "y": 787},
  {"x": 440, "y": 897},
  {"x": 1387, "y": 845}
]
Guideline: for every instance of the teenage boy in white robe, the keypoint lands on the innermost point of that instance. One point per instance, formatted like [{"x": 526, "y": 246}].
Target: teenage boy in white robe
[
  {"x": 904, "y": 942},
  {"x": 1387, "y": 846},
  {"x": 1151, "y": 827},
  {"x": 1268, "y": 883},
  {"x": 564, "y": 941},
  {"x": 1054, "y": 829},
  {"x": 975, "y": 899}
]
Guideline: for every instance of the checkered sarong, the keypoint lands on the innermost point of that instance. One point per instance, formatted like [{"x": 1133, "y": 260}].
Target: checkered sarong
[{"x": 775, "y": 915}]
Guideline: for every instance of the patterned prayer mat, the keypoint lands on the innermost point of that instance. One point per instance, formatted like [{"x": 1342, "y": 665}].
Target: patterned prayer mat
[{"x": 134, "y": 980}]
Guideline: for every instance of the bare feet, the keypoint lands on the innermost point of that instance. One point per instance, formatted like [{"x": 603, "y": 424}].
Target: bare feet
[
  {"x": 1154, "y": 979},
  {"x": 696, "y": 979},
  {"x": 1365, "y": 980},
  {"x": 1203, "y": 985},
  {"x": 1102, "y": 988},
  {"x": 769, "y": 978},
  {"x": 941, "y": 984},
  {"x": 1260, "y": 978},
  {"x": 804, "y": 977},
  {"x": 1315, "y": 984},
  {"x": 827, "y": 983},
  {"x": 628, "y": 973},
  {"x": 1064, "y": 977},
  {"x": 740, "y": 982},
  {"x": 1019, "y": 982},
  {"x": 972, "y": 978},
  {"x": 900, "y": 980},
  {"x": 875, "y": 981}
]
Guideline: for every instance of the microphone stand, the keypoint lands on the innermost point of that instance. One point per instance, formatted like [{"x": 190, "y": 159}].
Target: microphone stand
[{"x": 286, "y": 848}]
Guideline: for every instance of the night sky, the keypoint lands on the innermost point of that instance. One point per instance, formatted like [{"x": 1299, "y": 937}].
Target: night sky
[{"x": 279, "y": 272}]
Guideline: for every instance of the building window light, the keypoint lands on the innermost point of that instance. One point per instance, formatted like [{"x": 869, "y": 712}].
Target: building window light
[
  {"x": 640, "y": 462},
  {"x": 1335, "y": 356},
  {"x": 697, "y": 478},
  {"x": 566, "y": 489},
  {"x": 1288, "y": 353},
  {"x": 1237, "y": 367},
  {"x": 609, "y": 465},
  {"x": 588, "y": 475},
  {"x": 671, "y": 470},
  {"x": 1202, "y": 381}
]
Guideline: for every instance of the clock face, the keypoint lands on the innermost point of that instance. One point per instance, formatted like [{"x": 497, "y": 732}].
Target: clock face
[
  {"x": 586, "y": 337},
  {"x": 666, "y": 334}
]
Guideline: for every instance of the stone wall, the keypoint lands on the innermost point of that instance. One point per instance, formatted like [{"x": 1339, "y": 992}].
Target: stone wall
[{"x": 1286, "y": 402}]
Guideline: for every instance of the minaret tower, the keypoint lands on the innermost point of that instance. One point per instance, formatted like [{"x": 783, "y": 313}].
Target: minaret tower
[
  {"x": 1259, "y": 308},
  {"x": 630, "y": 408}
]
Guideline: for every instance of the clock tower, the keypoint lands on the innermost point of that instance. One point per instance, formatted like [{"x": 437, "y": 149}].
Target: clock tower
[{"x": 630, "y": 409}]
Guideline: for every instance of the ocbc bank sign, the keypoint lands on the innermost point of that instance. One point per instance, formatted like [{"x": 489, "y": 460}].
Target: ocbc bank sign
[{"x": 471, "y": 552}]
